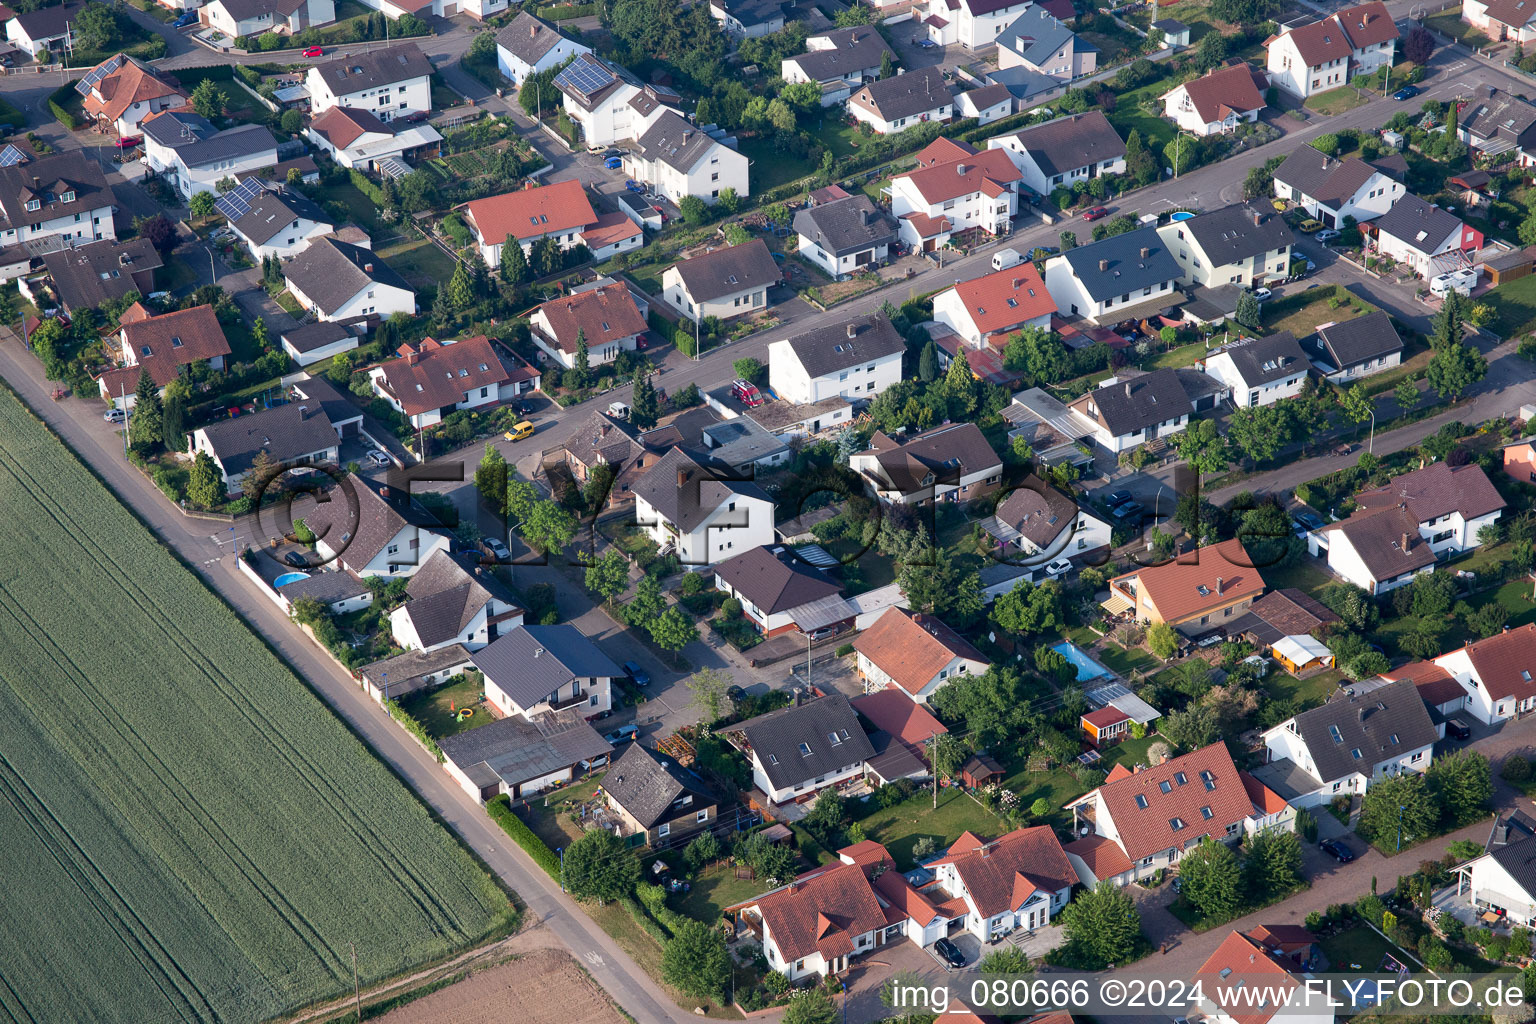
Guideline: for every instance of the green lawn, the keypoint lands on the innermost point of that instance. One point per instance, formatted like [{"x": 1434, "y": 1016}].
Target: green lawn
[
  {"x": 1515, "y": 598},
  {"x": 1336, "y": 101},
  {"x": 549, "y": 815},
  {"x": 359, "y": 206},
  {"x": 420, "y": 263},
  {"x": 1359, "y": 949},
  {"x": 1131, "y": 752},
  {"x": 176, "y": 274},
  {"x": 1303, "y": 573},
  {"x": 714, "y": 890},
  {"x": 1303, "y": 320},
  {"x": 1448, "y": 23},
  {"x": 242, "y": 344},
  {"x": 898, "y": 828},
  {"x": 1112, "y": 46},
  {"x": 286, "y": 300},
  {"x": 438, "y": 710},
  {"x": 1514, "y": 302},
  {"x": 1180, "y": 356},
  {"x": 770, "y": 168},
  {"x": 1126, "y": 661},
  {"x": 1307, "y": 693}
]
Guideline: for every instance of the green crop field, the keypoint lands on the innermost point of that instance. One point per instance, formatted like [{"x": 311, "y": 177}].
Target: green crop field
[{"x": 186, "y": 832}]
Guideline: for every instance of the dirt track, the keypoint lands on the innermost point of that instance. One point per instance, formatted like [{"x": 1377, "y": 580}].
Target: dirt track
[{"x": 544, "y": 986}]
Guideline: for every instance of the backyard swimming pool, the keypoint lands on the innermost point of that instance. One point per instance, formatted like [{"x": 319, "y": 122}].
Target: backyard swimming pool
[
  {"x": 1086, "y": 667},
  {"x": 294, "y": 577}
]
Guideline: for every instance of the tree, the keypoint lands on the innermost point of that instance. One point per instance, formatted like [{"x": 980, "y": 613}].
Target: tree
[
  {"x": 208, "y": 99},
  {"x": 1212, "y": 882},
  {"x": 598, "y": 866},
  {"x": 748, "y": 369},
  {"x": 1446, "y": 327},
  {"x": 514, "y": 264},
  {"x": 202, "y": 205},
  {"x": 146, "y": 427},
  {"x": 1402, "y": 801},
  {"x": 1356, "y": 403},
  {"x": 1274, "y": 861},
  {"x": 173, "y": 422},
  {"x": 1212, "y": 51},
  {"x": 1029, "y": 609},
  {"x": 583, "y": 362},
  {"x": 673, "y": 630},
  {"x": 608, "y": 575},
  {"x": 96, "y": 26},
  {"x": 1406, "y": 394},
  {"x": 491, "y": 479},
  {"x": 1454, "y": 369},
  {"x": 814, "y": 1005},
  {"x": 1203, "y": 447},
  {"x": 205, "y": 487},
  {"x": 708, "y": 686},
  {"x": 1245, "y": 12},
  {"x": 960, "y": 387},
  {"x": 928, "y": 363},
  {"x": 1258, "y": 431},
  {"x": 1462, "y": 781},
  {"x": 1068, "y": 240},
  {"x": 1419, "y": 45},
  {"x": 548, "y": 527},
  {"x": 158, "y": 231},
  {"x": 644, "y": 405},
  {"x": 1103, "y": 924},
  {"x": 702, "y": 850},
  {"x": 695, "y": 960},
  {"x": 547, "y": 258},
  {"x": 1163, "y": 641},
  {"x": 887, "y": 65},
  {"x": 292, "y": 122},
  {"x": 729, "y": 201},
  {"x": 1248, "y": 312},
  {"x": 693, "y": 210},
  {"x": 461, "y": 289},
  {"x": 945, "y": 756},
  {"x": 1192, "y": 728},
  {"x": 263, "y": 470},
  {"x": 1141, "y": 164}
]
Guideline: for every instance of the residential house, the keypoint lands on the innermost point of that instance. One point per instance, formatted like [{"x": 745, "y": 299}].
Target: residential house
[
  {"x": 612, "y": 234},
  {"x": 856, "y": 358},
  {"x": 529, "y": 45},
  {"x": 103, "y": 271},
  {"x": 1402, "y": 529},
  {"x": 1497, "y": 673},
  {"x": 1331, "y": 190},
  {"x": 1037, "y": 42},
  {"x": 62, "y": 194},
  {"x": 839, "y": 61},
  {"x": 395, "y": 677},
  {"x": 1260, "y": 371},
  {"x": 295, "y": 434},
  {"x": 986, "y": 104},
  {"x": 903, "y": 100},
  {"x": 799, "y": 750},
  {"x": 1140, "y": 822},
  {"x": 1131, "y": 409},
  {"x": 1520, "y": 461},
  {"x": 1351, "y": 349},
  {"x": 1045, "y": 524},
  {"x": 336, "y": 280},
  {"x": 779, "y": 592},
  {"x": 951, "y": 463},
  {"x": 1503, "y": 881},
  {"x": 952, "y": 194},
  {"x": 356, "y": 138},
  {"x": 991, "y": 308},
  {"x": 1127, "y": 276},
  {"x": 46, "y": 30},
  {"x": 724, "y": 283},
  {"x": 280, "y": 222},
  {"x": 121, "y": 91},
  {"x": 532, "y": 671},
  {"x": 915, "y": 653},
  {"x": 678, "y": 159},
  {"x": 701, "y": 515},
  {"x": 1276, "y": 986},
  {"x": 439, "y": 378},
  {"x": 1056, "y": 153},
  {"x": 373, "y": 529},
  {"x": 894, "y": 712},
  {"x": 974, "y": 24},
  {"x": 1442, "y": 695},
  {"x": 1348, "y": 744},
  {"x": 312, "y": 342},
  {"x": 1244, "y": 244},
  {"x": 654, "y": 796},
  {"x": 391, "y": 82},
  {"x": 1196, "y": 591},
  {"x": 819, "y": 922},
  {"x": 748, "y": 19},
  {"x": 163, "y": 346},
  {"x": 560, "y": 211},
  {"x": 1501, "y": 20},
  {"x": 518, "y": 757},
  {"x": 452, "y": 599},
  {"x": 742, "y": 446},
  {"x": 1055, "y": 433},
  {"x": 1331, "y": 53},
  {"x": 608, "y": 103},
  {"x": 605, "y": 441},
  {"x": 605, "y": 318},
  {"x": 1016, "y": 882},
  {"x": 185, "y": 149},
  {"x": 1427, "y": 239},
  {"x": 845, "y": 236},
  {"x": 1279, "y": 614},
  {"x": 345, "y": 414},
  {"x": 1218, "y": 101},
  {"x": 1493, "y": 125},
  {"x": 238, "y": 19}
]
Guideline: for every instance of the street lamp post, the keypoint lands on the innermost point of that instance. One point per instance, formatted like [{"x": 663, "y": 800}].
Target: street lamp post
[
  {"x": 1370, "y": 444},
  {"x": 213, "y": 270}
]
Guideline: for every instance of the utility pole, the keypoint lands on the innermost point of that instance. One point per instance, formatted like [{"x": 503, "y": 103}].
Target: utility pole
[{"x": 357, "y": 987}]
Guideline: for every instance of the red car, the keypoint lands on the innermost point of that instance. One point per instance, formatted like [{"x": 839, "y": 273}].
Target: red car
[
  {"x": 1095, "y": 213},
  {"x": 747, "y": 392},
  {"x": 314, "y": 51}
]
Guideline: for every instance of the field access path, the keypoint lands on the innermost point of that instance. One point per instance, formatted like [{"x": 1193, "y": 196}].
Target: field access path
[{"x": 205, "y": 547}]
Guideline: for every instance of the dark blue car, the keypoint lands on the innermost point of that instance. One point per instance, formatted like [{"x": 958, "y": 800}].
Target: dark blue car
[{"x": 1407, "y": 92}]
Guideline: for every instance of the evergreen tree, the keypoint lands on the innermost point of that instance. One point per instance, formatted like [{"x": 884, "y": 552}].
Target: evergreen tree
[
  {"x": 960, "y": 387},
  {"x": 514, "y": 265},
  {"x": 391, "y": 195},
  {"x": 644, "y": 406},
  {"x": 1248, "y": 313},
  {"x": 204, "y": 487},
  {"x": 583, "y": 365},
  {"x": 1274, "y": 862},
  {"x": 146, "y": 426},
  {"x": 887, "y": 65},
  {"x": 1455, "y": 368},
  {"x": 1446, "y": 326},
  {"x": 173, "y": 429},
  {"x": 461, "y": 289},
  {"x": 491, "y": 479},
  {"x": 928, "y": 364}
]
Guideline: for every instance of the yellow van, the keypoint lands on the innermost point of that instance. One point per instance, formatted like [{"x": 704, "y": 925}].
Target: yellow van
[{"x": 520, "y": 431}]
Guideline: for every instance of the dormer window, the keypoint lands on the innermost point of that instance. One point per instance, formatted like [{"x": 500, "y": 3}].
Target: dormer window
[
  {"x": 34, "y": 205},
  {"x": 67, "y": 197}
]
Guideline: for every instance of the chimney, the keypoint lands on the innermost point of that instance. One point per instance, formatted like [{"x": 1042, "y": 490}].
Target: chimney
[
  {"x": 1405, "y": 543},
  {"x": 868, "y": 217},
  {"x": 1219, "y": 582},
  {"x": 1103, "y": 264},
  {"x": 1145, "y": 252},
  {"x": 960, "y": 169},
  {"x": 1017, "y": 283},
  {"x": 384, "y": 493},
  {"x": 682, "y": 476},
  {"x": 303, "y": 412},
  {"x": 853, "y": 330},
  {"x": 1258, "y": 218},
  {"x": 367, "y": 268},
  {"x": 413, "y": 359},
  {"x": 1127, "y": 389},
  {"x": 533, "y": 30},
  {"x": 538, "y": 651}
]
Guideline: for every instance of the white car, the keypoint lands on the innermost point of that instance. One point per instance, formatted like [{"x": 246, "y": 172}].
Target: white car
[
  {"x": 1262, "y": 294},
  {"x": 1059, "y": 568},
  {"x": 1326, "y": 235},
  {"x": 379, "y": 458}
]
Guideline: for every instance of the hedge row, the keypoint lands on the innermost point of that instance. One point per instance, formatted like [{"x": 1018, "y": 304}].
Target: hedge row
[
  {"x": 368, "y": 188},
  {"x": 644, "y": 920},
  {"x": 566, "y": 12},
  {"x": 56, "y": 101},
  {"x": 414, "y": 727},
  {"x": 500, "y": 810}
]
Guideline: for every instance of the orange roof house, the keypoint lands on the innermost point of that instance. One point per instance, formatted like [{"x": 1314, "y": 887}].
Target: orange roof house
[
  {"x": 1198, "y": 590},
  {"x": 892, "y": 711},
  {"x": 560, "y": 211},
  {"x": 1017, "y": 881},
  {"x": 606, "y": 318},
  {"x": 989, "y": 307},
  {"x": 819, "y": 922},
  {"x": 1520, "y": 462},
  {"x": 1241, "y": 963},
  {"x": 122, "y": 98},
  {"x": 1106, "y": 726},
  {"x": 914, "y": 652}
]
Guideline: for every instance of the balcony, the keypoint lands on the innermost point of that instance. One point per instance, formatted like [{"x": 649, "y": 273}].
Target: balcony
[{"x": 579, "y": 699}]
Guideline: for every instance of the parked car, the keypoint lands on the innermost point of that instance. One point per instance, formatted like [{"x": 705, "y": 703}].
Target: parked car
[
  {"x": 1058, "y": 568},
  {"x": 1326, "y": 235},
  {"x": 613, "y": 163},
  {"x": 746, "y": 392},
  {"x": 1130, "y": 510},
  {"x": 825, "y": 632},
  {"x": 379, "y": 458},
  {"x": 1118, "y": 498},
  {"x": 519, "y": 431},
  {"x": 949, "y": 953},
  {"x": 1262, "y": 294},
  {"x": 1407, "y": 92},
  {"x": 314, "y": 51},
  {"x": 638, "y": 674},
  {"x": 496, "y": 549},
  {"x": 1456, "y": 729},
  {"x": 114, "y": 415},
  {"x": 187, "y": 18},
  {"x": 1309, "y": 520},
  {"x": 1337, "y": 850},
  {"x": 612, "y": 152},
  {"x": 1095, "y": 213},
  {"x": 295, "y": 559},
  {"x": 623, "y": 734},
  {"x": 634, "y": 186}
]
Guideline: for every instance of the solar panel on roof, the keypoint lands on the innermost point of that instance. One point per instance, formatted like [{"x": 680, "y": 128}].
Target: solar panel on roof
[
  {"x": 10, "y": 156},
  {"x": 236, "y": 203},
  {"x": 585, "y": 77},
  {"x": 86, "y": 84}
]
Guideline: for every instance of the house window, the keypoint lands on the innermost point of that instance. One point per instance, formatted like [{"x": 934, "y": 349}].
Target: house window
[
  {"x": 701, "y": 816},
  {"x": 664, "y": 829}
]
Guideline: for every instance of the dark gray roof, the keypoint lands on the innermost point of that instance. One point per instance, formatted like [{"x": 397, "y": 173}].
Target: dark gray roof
[
  {"x": 91, "y": 274},
  {"x": 905, "y": 95},
  {"x": 326, "y": 587},
  {"x": 740, "y": 442},
  {"x": 354, "y": 72},
  {"x": 1240, "y": 232},
  {"x": 846, "y": 225},
  {"x": 1354, "y": 341},
  {"x": 1381, "y": 725},
  {"x": 197, "y": 143},
  {"x": 1140, "y": 402},
  {"x": 853, "y": 50},
  {"x": 1210, "y": 304},
  {"x": 751, "y": 12},
  {"x": 654, "y": 788},
  {"x": 1070, "y": 142},
  {"x": 1418, "y": 225},
  {"x": 1266, "y": 360},
  {"x": 775, "y": 580},
  {"x": 794, "y": 744},
  {"x": 285, "y": 432},
  {"x": 361, "y": 533},
  {"x": 413, "y": 664},
  {"x": 1166, "y": 25},
  {"x": 686, "y": 493},
  {"x": 47, "y": 180},
  {"x": 331, "y": 272},
  {"x": 308, "y": 337},
  {"x": 243, "y": 10},
  {"x": 1326, "y": 179},
  {"x": 531, "y": 662},
  {"x": 675, "y": 142},
  {"x": 528, "y": 38},
  {"x": 47, "y": 22},
  {"x": 513, "y": 750},
  {"x": 1035, "y": 35},
  {"x": 177, "y": 127},
  {"x": 1122, "y": 263},
  {"x": 446, "y": 594},
  {"x": 1519, "y": 859},
  {"x": 271, "y": 212},
  {"x": 737, "y": 268},
  {"x": 1504, "y": 117},
  {"x": 333, "y": 403},
  {"x": 837, "y": 346}
]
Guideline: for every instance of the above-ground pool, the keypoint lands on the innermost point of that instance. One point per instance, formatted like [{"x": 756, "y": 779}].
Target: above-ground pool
[
  {"x": 1086, "y": 667},
  {"x": 1181, "y": 215},
  {"x": 294, "y": 577}
]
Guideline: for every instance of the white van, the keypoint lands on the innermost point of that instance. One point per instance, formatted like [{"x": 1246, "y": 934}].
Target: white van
[
  {"x": 1005, "y": 258},
  {"x": 1459, "y": 281}
]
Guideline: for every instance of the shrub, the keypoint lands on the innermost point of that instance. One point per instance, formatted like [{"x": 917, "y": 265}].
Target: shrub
[
  {"x": 844, "y": 650},
  {"x": 500, "y": 810},
  {"x": 1516, "y": 768},
  {"x": 398, "y": 713}
]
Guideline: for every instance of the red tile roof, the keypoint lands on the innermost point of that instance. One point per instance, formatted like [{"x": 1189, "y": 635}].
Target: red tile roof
[
  {"x": 1437, "y": 490},
  {"x": 1338, "y": 35},
  {"x": 1435, "y": 685},
  {"x": 1100, "y": 854},
  {"x": 866, "y": 854},
  {"x": 1105, "y": 717},
  {"x": 1117, "y": 773},
  {"x": 1288, "y": 938},
  {"x": 1148, "y": 830},
  {"x": 1001, "y": 875},
  {"x": 990, "y": 171},
  {"x": 892, "y": 711},
  {"x": 912, "y": 647},
  {"x": 173, "y": 340},
  {"x": 603, "y": 315},
  {"x": 821, "y": 911},
  {"x": 905, "y": 901},
  {"x": 1506, "y": 663},
  {"x": 1261, "y": 796},
  {"x": 610, "y": 228},
  {"x": 941, "y": 151},
  {"x": 1188, "y": 586},
  {"x": 1242, "y": 962},
  {"x": 342, "y": 126},
  {"x": 1006, "y": 299},
  {"x": 532, "y": 213},
  {"x": 129, "y": 84},
  {"x": 1225, "y": 91},
  {"x": 439, "y": 374}
]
